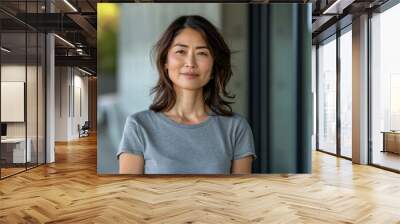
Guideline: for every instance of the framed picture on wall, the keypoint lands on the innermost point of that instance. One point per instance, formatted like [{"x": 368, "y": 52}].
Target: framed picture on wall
[{"x": 12, "y": 101}]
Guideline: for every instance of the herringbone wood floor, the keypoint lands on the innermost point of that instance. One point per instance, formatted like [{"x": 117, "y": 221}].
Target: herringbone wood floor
[{"x": 70, "y": 191}]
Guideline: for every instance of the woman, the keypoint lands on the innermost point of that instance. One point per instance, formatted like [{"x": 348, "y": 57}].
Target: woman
[{"x": 189, "y": 128}]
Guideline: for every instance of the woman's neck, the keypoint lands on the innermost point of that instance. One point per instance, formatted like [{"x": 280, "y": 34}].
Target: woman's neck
[{"x": 189, "y": 107}]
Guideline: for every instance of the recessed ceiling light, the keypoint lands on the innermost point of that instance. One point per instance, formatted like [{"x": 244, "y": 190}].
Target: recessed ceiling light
[
  {"x": 70, "y": 5},
  {"x": 5, "y": 49},
  {"x": 333, "y": 8},
  {"x": 84, "y": 71},
  {"x": 64, "y": 40}
]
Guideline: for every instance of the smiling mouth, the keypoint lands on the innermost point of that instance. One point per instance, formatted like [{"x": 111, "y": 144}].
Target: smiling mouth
[{"x": 190, "y": 74}]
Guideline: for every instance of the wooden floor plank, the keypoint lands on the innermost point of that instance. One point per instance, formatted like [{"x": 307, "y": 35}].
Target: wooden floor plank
[{"x": 70, "y": 191}]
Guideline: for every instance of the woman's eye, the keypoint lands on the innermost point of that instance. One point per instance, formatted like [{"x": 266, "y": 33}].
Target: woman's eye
[
  {"x": 203, "y": 53},
  {"x": 180, "y": 52}
]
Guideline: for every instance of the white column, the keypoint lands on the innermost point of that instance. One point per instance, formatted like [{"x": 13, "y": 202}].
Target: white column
[
  {"x": 360, "y": 90},
  {"x": 50, "y": 93},
  {"x": 50, "y": 108}
]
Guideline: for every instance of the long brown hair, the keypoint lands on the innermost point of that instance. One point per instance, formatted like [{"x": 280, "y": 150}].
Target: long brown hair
[{"x": 215, "y": 89}]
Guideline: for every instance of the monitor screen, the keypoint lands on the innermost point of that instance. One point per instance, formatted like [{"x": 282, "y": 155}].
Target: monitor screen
[{"x": 3, "y": 129}]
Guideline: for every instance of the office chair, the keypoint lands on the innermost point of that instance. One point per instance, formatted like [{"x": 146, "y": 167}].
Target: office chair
[{"x": 84, "y": 130}]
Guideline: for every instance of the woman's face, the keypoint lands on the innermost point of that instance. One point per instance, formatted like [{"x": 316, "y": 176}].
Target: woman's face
[{"x": 189, "y": 60}]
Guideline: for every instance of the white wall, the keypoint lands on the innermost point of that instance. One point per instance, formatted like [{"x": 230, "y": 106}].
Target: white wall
[
  {"x": 12, "y": 101},
  {"x": 12, "y": 73},
  {"x": 80, "y": 100},
  {"x": 33, "y": 126},
  {"x": 61, "y": 103},
  {"x": 70, "y": 84}
]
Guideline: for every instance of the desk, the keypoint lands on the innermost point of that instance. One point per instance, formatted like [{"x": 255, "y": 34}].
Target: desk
[
  {"x": 15, "y": 148},
  {"x": 391, "y": 141}
]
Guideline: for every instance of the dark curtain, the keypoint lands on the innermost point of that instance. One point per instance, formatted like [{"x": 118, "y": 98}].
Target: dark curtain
[{"x": 280, "y": 86}]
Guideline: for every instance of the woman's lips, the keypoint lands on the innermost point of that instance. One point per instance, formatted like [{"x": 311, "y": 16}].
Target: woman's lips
[{"x": 190, "y": 75}]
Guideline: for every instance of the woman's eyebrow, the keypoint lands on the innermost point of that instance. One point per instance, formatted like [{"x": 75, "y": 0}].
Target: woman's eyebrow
[
  {"x": 186, "y": 46},
  {"x": 202, "y": 47}
]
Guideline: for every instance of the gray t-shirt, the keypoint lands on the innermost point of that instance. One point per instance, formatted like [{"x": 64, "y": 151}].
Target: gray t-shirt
[{"x": 169, "y": 147}]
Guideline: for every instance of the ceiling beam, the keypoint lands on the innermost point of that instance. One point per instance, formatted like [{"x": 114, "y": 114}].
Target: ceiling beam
[
  {"x": 337, "y": 7},
  {"x": 85, "y": 25},
  {"x": 84, "y": 61}
]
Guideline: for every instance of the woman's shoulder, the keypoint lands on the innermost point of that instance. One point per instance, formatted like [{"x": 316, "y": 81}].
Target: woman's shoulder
[
  {"x": 234, "y": 116},
  {"x": 236, "y": 119},
  {"x": 141, "y": 117}
]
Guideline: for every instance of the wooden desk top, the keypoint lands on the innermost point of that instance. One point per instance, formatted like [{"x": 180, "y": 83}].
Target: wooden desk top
[{"x": 391, "y": 132}]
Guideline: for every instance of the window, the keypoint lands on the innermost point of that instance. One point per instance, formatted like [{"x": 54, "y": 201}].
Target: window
[
  {"x": 327, "y": 96},
  {"x": 346, "y": 93},
  {"x": 385, "y": 88}
]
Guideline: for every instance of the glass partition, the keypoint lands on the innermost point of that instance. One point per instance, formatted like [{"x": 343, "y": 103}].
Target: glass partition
[
  {"x": 13, "y": 109},
  {"x": 385, "y": 89},
  {"x": 346, "y": 93},
  {"x": 22, "y": 91},
  {"x": 41, "y": 85},
  {"x": 31, "y": 99},
  {"x": 327, "y": 96}
]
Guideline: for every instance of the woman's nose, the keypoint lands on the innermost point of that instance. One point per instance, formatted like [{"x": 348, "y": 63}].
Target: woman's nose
[{"x": 190, "y": 60}]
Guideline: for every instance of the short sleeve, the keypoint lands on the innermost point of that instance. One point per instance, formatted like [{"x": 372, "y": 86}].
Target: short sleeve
[
  {"x": 132, "y": 141},
  {"x": 244, "y": 141}
]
